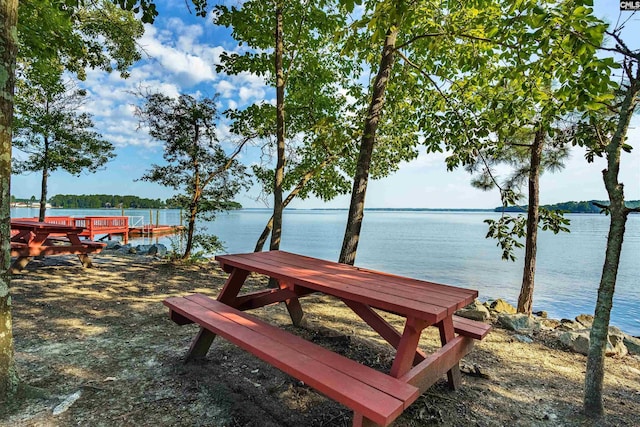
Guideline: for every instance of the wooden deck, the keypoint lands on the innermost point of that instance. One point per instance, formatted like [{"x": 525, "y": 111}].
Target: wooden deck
[{"x": 107, "y": 226}]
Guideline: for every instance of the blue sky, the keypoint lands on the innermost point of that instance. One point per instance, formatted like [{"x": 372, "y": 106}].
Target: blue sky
[{"x": 180, "y": 52}]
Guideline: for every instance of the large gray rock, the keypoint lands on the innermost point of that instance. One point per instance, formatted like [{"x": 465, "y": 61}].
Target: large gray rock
[
  {"x": 158, "y": 249},
  {"x": 632, "y": 344},
  {"x": 586, "y": 320},
  {"x": 142, "y": 249},
  {"x": 569, "y": 325},
  {"x": 501, "y": 306},
  {"x": 474, "y": 311},
  {"x": 578, "y": 341},
  {"x": 113, "y": 244},
  {"x": 518, "y": 322}
]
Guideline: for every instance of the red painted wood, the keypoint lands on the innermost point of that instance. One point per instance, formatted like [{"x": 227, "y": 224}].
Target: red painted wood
[
  {"x": 470, "y": 328},
  {"x": 407, "y": 347},
  {"x": 445, "y": 292},
  {"x": 345, "y": 272},
  {"x": 351, "y": 285},
  {"x": 232, "y": 286},
  {"x": 293, "y": 304},
  {"x": 377, "y": 379},
  {"x": 360, "y": 421},
  {"x": 369, "y": 280},
  {"x": 447, "y": 334},
  {"x": 427, "y": 372},
  {"x": 323, "y": 370},
  {"x": 381, "y": 326}
]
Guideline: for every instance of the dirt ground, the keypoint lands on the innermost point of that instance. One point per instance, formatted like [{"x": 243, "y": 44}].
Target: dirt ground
[{"x": 101, "y": 336}]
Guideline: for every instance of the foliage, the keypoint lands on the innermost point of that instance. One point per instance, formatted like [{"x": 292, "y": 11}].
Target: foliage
[
  {"x": 203, "y": 246},
  {"x": 94, "y": 201},
  {"x": 51, "y": 132},
  {"x": 316, "y": 78},
  {"x": 197, "y": 167},
  {"x": 77, "y": 34}
]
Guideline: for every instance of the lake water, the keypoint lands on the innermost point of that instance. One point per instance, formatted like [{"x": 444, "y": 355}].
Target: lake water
[{"x": 445, "y": 247}]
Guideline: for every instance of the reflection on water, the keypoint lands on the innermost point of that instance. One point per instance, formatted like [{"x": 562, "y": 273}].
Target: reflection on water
[{"x": 446, "y": 247}]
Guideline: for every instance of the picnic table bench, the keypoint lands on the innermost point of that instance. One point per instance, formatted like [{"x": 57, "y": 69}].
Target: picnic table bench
[
  {"x": 31, "y": 238},
  {"x": 377, "y": 398}
]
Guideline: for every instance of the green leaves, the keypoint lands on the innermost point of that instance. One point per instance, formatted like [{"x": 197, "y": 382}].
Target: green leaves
[
  {"x": 507, "y": 230},
  {"x": 79, "y": 35},
  {"x": 52, "y": 133}
]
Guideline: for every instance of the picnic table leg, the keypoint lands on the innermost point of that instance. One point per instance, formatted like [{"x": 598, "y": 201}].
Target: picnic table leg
[
  {"x": 293, "y": 306},
  {"x": 232, "y": 287},
  {"x": 19, "y": 264},
  {"x": 407, "y": 347},
  {"x": 202, "y": 342},
  {"x": 360, "y": 421},
  {"x": 85, "y": 260},
  {"x": 381, "y": 326},
  {"x": 200, "y": 345},
  {"x": 446, "y": 335}
]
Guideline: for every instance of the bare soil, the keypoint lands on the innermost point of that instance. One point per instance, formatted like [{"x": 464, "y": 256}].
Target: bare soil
[{"x": 103, "y": 334}]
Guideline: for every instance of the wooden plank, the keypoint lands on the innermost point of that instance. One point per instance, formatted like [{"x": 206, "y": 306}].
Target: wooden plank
[
  {"x": 232, "y": 286},
  {"x": 309, "y": 279},
  {"x": 450, "y": 297},
  {"x": 361, "y": 372},
  {"x": 279, "y": 349},
  {"x": 427, "y": 372},
  {"x": 381, "y": 326},
  {"x": 470, "y": 328},
  {"x": 447, "y": 334},
  {"x": 369, "y": 280},
  {"x": 293, "y": 305},
  {"x": 266, "y": 297},
  {"x": 397, "y": 284},
  {"x": 407, "y": 346},
  {"x": 438, "y": 290}
]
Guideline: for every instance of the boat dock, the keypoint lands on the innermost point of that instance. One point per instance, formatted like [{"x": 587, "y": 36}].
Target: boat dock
[{"x": 108, "y": 226}]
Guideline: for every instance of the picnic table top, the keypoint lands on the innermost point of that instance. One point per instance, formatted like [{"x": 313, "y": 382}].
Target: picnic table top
[
  {"x": 405, "y": 296},
  {"x": 44, "y": 226}
]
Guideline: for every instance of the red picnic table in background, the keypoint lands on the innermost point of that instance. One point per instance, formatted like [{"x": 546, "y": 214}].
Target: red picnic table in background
[{"x": 31, "y": 238}]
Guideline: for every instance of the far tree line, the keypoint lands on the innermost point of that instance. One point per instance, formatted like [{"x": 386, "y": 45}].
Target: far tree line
[{"x": 585, "y": 206}]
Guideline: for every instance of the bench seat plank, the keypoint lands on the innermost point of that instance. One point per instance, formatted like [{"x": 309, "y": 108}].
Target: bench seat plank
[
  {"x": 470, "y": 328},
  {"x": 377, "y": 396}
]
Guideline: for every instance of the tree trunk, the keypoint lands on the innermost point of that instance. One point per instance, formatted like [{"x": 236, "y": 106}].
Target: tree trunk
[
  {"x": 278, "y": 207},
  {"x": 191, "y": 226},
  {"x": 360, "y": 181},
  {"x": 43, "y": 189},
  {"x": 197, "y": 191},
  {"x": 594, "y": 376},
  {"x": 8, "y": 52},
  {"x": 525, "y": 300},
  {"x": 307, "y": 176}
]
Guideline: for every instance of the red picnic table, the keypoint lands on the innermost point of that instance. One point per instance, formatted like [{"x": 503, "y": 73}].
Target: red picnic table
[
  {"x": 32, "y": 238},
  {"x": 377, "y": 398}
]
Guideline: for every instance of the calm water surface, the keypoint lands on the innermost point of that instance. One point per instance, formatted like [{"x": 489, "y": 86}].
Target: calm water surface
[{"x": 447, "y": 247}]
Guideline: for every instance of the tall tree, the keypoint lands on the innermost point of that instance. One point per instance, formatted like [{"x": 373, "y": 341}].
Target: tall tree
[
  {"x": 48, "y": 39},
  {"x": 197, "y": 166},
  {"x": 607, "y": 136},
  {"x": 8, "y": 53},
  {"x": 523, "y": 87},
  {"x": 291, "y": 47},
  {"x": 405, "y": 34},
  {"x": 52, "y": 133}
]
